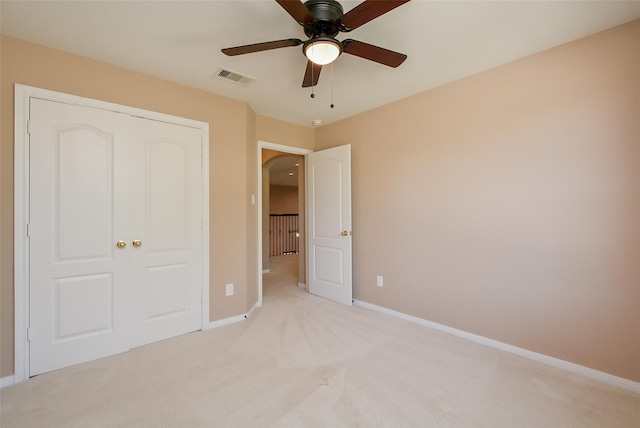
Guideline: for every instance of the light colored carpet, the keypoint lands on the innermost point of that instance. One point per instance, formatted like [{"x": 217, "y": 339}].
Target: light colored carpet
[{"x": 304, "y": 361}]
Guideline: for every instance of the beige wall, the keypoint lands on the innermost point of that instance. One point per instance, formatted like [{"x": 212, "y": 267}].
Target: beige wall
[
  {"x": 233, "y": 164},
  {"x": 265, "y": 218},
  {"x": 507, "y": 204},
  {"x": 283, "y": 199},
  {"x": 275, "y": 131}
]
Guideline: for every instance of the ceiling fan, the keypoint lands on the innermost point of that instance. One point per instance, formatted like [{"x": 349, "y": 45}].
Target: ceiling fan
[{"x": 322, "y": 20}]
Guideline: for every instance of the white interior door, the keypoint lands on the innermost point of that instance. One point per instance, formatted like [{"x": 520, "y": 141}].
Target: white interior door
[
  {"x": 79, "y": 184},
  {"x": 166, "y": 213},
  {"x": 329, "y": 223}
]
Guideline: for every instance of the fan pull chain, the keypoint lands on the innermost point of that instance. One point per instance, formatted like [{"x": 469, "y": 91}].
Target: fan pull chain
[
  {"x": 312, "y": 85},
  {"x": 332, "y": 85}
]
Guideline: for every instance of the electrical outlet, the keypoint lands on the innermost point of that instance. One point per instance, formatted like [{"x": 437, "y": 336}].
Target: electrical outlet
[
  {"x": 229, "y": 289},
  {"x": 380, "y": 281}
]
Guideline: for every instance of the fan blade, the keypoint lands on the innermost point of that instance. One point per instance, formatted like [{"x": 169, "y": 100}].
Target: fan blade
[
  {"x": 373, "y": 53},
  {"x": 367, "y": 11},
  {"x": 297, "y": 10},
  {"x": 258, "y": 47},
  {"x": 312, "y": 75}
]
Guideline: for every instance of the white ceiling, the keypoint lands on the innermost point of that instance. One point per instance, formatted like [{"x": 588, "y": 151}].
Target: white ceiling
[
  {"x": 279, "y": 169},
  {"x": 180, "y": 41}
]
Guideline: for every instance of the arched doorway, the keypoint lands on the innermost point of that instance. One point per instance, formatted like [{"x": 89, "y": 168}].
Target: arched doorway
[{"x": 279, "y": 161}]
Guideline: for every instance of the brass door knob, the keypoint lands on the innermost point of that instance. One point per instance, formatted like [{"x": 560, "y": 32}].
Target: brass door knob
[
  {"x": 344, "y": 233},
  {"x": 121, "y": 244},
  {"x": 137, "y": 243}
]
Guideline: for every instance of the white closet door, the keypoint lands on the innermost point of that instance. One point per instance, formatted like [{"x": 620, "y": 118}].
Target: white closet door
[
  {"x": 79, "y": 278},
  {"x": 166, "y": 216},
  {"x": 99, "y": 179}
]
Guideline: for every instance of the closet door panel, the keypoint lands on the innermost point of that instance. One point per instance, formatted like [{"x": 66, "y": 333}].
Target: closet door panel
[
  {"x": 166, "y": 220},
  {"x": 167, "y": 194},
  {"x": 79, "y": 204}
]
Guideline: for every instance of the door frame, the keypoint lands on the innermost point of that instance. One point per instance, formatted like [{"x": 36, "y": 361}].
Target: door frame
[
  {"x": 284, "y": 149},
  {"x": 23, "y": 94}
]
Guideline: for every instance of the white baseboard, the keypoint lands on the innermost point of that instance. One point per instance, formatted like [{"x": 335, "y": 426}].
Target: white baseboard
[
  {"x": 266, "y": 270},
  {"x": 226, "y": 321},
  {"x": 7, "y": 381},
  {"x": 302, "y": 285},
  {"x": 541, "y": 358},
  {"x": 253, "y": 309},
  {"x": 231, "y": 320}
]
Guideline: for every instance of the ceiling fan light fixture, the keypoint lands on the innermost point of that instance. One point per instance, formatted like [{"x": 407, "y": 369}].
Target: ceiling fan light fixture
[
  {"x": 322, "y": 50},
  {"x": 322, "y": 21}
]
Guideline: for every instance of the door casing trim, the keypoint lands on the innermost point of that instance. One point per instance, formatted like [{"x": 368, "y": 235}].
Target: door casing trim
[
  {"x": 23, "y": 94},
  {"x": 280, "y": 148}
]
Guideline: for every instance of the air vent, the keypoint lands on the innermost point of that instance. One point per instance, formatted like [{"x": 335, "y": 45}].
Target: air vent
[{"x": 234, "y": 77}]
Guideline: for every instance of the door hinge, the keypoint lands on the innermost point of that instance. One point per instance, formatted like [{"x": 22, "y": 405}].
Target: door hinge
[
  {"x": 28, "y": 230},
  {"x": 28, "y": 127},
  {"x": 28, "y": 334}
]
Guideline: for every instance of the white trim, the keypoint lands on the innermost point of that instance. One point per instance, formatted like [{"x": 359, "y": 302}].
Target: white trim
[
  {"x": 20, "y": 243},
  {"x": 205, "y": 226},
  {"x": 223, "y": 322},
  {"x": 279, "y": 148},
  {"x": 302, "y": 285},
  {"x": 544, "y": 359},
  {"x": 266, "y": 271},
  {"x": 252, "y": 310},
  {"x": 45, "y": 94},
  {"x": 21, "y": 209},
  {"x": 282, "y": 148},
  {"x": 7, "y": 381},
  {"x": 231, "y": 320}
]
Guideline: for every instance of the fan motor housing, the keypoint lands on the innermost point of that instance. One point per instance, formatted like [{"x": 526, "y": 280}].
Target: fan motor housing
[{"x": 326, "y": 16}]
